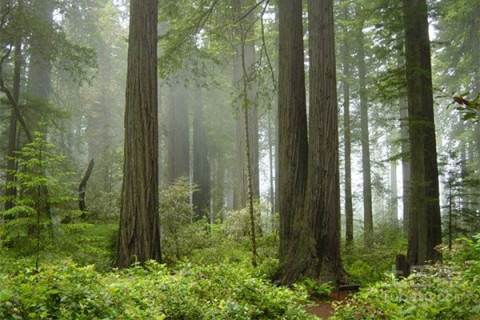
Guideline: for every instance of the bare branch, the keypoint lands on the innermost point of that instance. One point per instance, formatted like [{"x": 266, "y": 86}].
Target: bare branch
[
  {"x": 251, "y": 10},
  {"x": 267, "y": 55}
]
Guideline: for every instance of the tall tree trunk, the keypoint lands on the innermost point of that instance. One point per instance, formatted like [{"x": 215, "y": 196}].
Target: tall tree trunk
[
  {"x": 366, "y": 167},
  {"x": 250, "y": 120},
  {"x": 425, "y": 222},
  {"x": 323, "y": 187},
  {"x": 201, "y": 165},
  {"x": 40, "y": 66},
  {"x": 218, "y": 192},
  {"x": 244, "y": 62},
  {"x": 292, "y": 140},
  {"x": 178, "y": 133},
  {"x": 393, "y": 188},
  {"x": 139, "y": 234},
  {"x": 39, "y": 87},
  {"x": 347, "y": 131},
  {"x": 248, "y": 166}
]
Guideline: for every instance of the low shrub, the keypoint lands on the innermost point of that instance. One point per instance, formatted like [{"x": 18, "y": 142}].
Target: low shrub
[
  {"x": 223, "y": 291},
  {"x": 439, "y": 294},
  {"x": 445, "y": 291},
  {"x": 367, "y": 265}
]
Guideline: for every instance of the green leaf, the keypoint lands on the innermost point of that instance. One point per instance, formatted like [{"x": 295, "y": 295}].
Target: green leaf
[{"x": 6, "y": 295}]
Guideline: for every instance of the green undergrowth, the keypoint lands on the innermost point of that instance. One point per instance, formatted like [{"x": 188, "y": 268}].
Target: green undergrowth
[
  {"x": 450, "y": 290},
  {"x": 223, "y": 291},
  {"x": 82, "y": 243},
  {"x": 366, "y": 265}
]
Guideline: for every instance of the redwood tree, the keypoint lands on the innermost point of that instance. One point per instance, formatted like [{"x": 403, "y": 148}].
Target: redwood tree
[
  {"x": 309, "y": 199},
  {"x": 424, "y": 220},
  {"x": 323, "y": 188},
  {"x": 139, "y": 235},
  {"x": 292, "y": 135},
  {"x": 365, "y": 136}
]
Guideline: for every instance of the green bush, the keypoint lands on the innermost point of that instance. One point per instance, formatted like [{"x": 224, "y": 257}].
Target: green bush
[
  {"x": 223, "y": 291},
  {"x": 367, "y": 265},
  {"x": 446, "y": 291},
  {"x": 180, "y": 233},
  {"x": 439, "y": 294}
]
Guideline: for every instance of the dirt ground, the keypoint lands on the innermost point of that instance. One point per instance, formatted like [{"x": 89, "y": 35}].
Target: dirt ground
[{"x": 324, "y": 309}]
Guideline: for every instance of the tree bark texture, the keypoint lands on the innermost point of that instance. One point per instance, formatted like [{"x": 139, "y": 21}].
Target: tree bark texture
[
  {"x": 323, "y": 188},
  {"x": 292, "y": 141},
  {"x": 139, "y": 235},
  {"x": 425, "y": 222}
]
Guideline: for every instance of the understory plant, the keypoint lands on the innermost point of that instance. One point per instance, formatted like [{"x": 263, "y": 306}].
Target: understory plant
[
  {"x": 224, "y": 291},
  {"x": 367, "y": 265},
  {"x": 450, "y": 290},
  {"x": 44, "y": 198}
]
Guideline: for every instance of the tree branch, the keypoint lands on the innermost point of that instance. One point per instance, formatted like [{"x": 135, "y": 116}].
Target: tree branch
[
  {"x": 11, "y": 99},
  {"x": 83, "y": 186},
  {"x": 251, "y": 10}
]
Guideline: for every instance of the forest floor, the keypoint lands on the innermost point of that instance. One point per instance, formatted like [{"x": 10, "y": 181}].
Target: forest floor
[{"x": 324, "y": 308}]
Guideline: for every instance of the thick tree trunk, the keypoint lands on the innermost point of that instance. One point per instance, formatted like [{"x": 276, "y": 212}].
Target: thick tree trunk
[
  {"x": 139, "y": 235},
  {"x": 295, "y": 249},
  {"x": 323, "y": 188},
  {"x": 425, "y": 222},
  {"x": 366, "y": 167}
]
